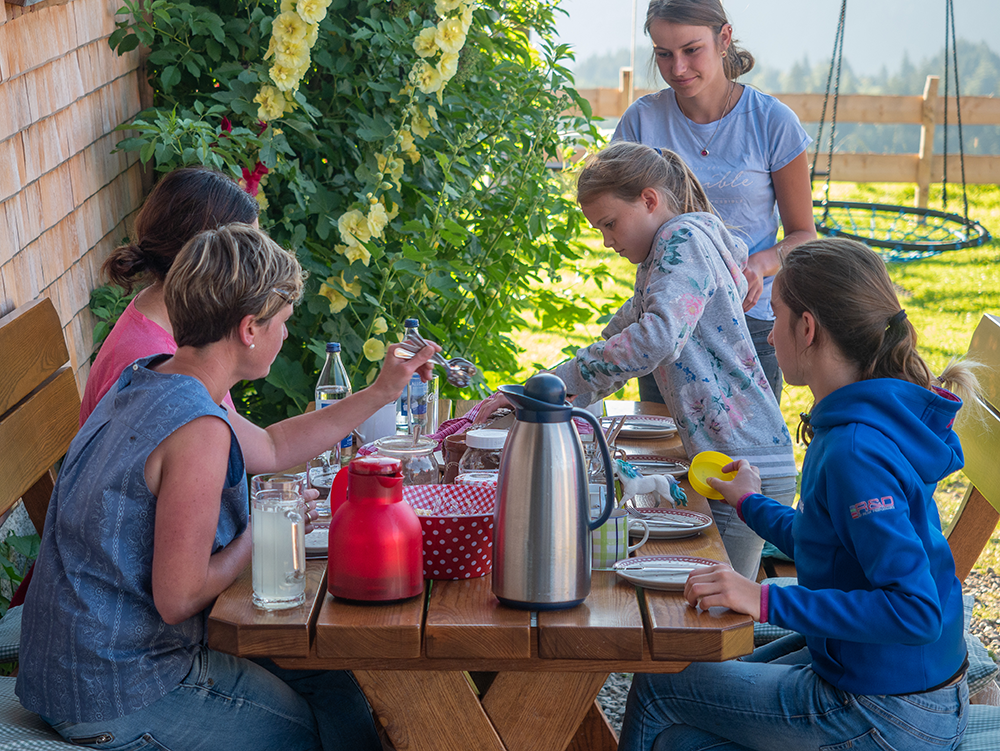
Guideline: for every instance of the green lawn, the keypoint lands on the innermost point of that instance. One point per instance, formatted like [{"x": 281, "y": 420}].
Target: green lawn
[{"x": 945, "y": 296}]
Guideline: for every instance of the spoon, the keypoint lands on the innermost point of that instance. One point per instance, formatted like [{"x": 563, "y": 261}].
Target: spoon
[{"x": 458, "y": 370}]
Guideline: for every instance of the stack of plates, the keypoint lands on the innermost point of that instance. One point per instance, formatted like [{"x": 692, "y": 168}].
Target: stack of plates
[
  {"x": 666, "y": 572},
  {"x": 318, "y": 541},
  {"x": 671, "y": 524},
  {"x": 643, "y": 426}
]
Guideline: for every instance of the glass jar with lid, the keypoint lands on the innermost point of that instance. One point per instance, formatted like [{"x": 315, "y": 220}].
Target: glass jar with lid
[
  {"x": 483, "y": 449},
  {"x": 419, "y": 465}
]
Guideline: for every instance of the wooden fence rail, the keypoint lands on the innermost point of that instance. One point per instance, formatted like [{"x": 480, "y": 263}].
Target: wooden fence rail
[{"x": 927, "y": 110}]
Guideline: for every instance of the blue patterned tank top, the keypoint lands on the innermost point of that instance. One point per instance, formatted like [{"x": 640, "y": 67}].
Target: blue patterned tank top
[{"x": 93, "y": 646}]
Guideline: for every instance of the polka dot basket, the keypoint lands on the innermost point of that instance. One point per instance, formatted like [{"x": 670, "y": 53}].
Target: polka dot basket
[{"x": 457, "y": 521}]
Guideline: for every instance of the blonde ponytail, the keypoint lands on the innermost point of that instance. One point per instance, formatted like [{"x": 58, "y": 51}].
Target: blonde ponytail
[{"x": 959, "y": 377}]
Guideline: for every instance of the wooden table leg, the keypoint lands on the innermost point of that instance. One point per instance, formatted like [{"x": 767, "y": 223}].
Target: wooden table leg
[
  {"x": 428, "y": 711},
  {"x": 540, "y": 711},
  {"x": 595, "y": 733}
]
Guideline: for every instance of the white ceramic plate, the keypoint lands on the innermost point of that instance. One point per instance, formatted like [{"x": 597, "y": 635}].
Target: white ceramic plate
[
  {"x": 317, "y": 543},
  {"x": 643, "y": 426},
  {"x": 666, "y": 572},
  {"x": 673, "y": 523},
  {"x": 650, "y": 464}
]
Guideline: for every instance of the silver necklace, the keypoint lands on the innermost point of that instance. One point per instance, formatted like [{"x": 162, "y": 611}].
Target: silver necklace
[{"x": 704, "y": 149}]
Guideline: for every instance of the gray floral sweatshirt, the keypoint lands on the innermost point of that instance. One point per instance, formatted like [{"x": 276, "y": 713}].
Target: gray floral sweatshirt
[{"x": 685, "y": 325}]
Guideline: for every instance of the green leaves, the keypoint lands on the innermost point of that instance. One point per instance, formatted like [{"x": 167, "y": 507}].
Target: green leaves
[
  {"x": 107, "y": 303},
  {"x": 478, "y": 217},
  {"x": 172, "y": 139},
  {"x": 16, "y": 555}
]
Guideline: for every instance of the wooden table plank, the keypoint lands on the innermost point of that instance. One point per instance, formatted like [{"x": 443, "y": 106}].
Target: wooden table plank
[
  {"x": 459, "y": 664},
  {"x": 607, "y": 625},
  {"x": 237, "y": 627},
  {"x": 673, "y": 627},
  {"x": 389, "y": 630},
  {"x": 522, "y": 709},
  {"x": 419, "y": 711},
  {"x": 464, "y": 619}
]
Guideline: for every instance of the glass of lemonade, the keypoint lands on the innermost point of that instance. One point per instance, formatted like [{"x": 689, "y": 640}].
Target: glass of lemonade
[{"x": 278, "y": 523}]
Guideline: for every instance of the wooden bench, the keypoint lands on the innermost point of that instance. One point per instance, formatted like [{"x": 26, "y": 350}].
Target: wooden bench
[{"x": 39, "y": 415}]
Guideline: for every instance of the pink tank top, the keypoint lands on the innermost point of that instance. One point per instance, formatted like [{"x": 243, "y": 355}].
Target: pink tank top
[{"x": 133, "y": 336}]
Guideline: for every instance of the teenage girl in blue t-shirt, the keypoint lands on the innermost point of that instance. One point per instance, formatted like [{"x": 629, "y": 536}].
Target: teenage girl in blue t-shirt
[
  {"x": 747, "y": 148},
  {"x": 880, "y": 660}
]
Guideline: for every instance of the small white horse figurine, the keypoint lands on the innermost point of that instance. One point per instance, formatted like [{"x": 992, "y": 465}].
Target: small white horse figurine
[{"x": 634, "y": 483}]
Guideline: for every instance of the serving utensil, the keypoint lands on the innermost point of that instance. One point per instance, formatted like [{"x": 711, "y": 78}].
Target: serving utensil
[
  {"x": 457, "y": 371},
  {"x": 656, "y": 520}
]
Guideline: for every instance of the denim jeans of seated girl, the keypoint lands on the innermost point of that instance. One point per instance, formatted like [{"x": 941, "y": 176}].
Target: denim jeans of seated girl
[
  {"x": 228, "y": 702},
  {"x": 781, "y": 705}
]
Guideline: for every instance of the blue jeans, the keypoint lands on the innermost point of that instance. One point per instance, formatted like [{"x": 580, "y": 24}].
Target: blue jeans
[
  {"x": 229, "y": 702},
  {"x": 743, "y": 546},
  {"x": 759, "y": 330},
  {"x": 782, "y": 704}
]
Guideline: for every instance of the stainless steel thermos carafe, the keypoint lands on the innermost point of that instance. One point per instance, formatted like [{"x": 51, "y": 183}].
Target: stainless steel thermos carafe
[{"x": 542, "y": 526}]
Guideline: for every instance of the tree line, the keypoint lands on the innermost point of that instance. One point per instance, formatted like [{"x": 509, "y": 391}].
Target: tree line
[{"x": 979, "y": 75}]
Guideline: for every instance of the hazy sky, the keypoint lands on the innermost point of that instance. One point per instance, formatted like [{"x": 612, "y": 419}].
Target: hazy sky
[{"x": 780, "y": 32}]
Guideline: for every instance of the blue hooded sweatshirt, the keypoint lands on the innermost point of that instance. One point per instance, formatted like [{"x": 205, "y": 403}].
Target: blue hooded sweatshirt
[{"x": 877, "y": 597}]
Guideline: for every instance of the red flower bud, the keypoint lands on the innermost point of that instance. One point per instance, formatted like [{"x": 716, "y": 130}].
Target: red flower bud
[{"x": 251, "y": 180}]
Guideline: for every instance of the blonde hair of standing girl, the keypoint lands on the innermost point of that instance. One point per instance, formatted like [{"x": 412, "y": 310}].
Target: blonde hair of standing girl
[{"x": 625, "y": 169}]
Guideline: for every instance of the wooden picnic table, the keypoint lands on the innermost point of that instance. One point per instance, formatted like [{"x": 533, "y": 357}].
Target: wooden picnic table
[{"x": 413, "y": 658}]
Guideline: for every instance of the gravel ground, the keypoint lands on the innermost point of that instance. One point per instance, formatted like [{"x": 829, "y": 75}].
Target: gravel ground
[
  {"x": 985, "y": 624},
  {"x": 985, "y": 585}
]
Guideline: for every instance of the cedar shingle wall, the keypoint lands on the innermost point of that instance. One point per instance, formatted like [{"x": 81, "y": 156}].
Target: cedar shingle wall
[{"x": 64, "y": 197}]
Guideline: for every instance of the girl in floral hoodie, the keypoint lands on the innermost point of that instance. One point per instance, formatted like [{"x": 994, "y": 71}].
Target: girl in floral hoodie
[{"x": 684, "y": 323}]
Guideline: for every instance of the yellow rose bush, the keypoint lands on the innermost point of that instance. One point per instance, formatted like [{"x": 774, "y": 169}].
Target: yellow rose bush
[{"x": 404, "y": 148}]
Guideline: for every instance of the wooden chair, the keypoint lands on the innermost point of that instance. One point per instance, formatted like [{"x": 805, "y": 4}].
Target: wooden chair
[
  {"x": 979, "y": 429},
  {"x": 39, "y": 415},
  {"x": 976, "y": 519}
]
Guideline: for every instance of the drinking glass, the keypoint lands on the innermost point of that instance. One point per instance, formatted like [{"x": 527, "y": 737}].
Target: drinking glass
[
  {"x": 278, "y": 524},
  {"x": 319, "y": 476}
]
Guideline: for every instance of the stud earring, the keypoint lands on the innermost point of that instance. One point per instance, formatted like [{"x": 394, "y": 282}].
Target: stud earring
[
  {"x": 252, "y": 346},
  {"x": 724, "y": 53}
]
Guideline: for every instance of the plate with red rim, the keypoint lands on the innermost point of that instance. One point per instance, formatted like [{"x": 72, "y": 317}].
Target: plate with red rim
[
  {"x": 665, "y": 572},
  {"x": 672, "y": 523},
  {"x": 651, "y": 464},
  {"x": 643, "y": 426}
]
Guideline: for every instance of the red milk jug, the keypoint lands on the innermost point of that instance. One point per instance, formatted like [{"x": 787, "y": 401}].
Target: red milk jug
[{"x": 376, "y": 542}]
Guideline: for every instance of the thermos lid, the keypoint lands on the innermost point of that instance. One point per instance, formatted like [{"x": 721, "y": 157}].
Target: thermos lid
[
  {"x": 542, "y": 398},
  {"x": 486, "y": 438},
  {"x": 376, "y": 465}
]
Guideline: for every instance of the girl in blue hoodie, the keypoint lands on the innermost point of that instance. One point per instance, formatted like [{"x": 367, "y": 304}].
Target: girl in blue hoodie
[{"x": 881, "y": 660}]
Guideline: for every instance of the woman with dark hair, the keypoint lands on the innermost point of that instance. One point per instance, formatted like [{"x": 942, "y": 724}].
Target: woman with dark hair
[
  {"x": 879, "y": 658},
  {"x": 183, "y": 203},
  {"x": 747, "y": 148}
]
